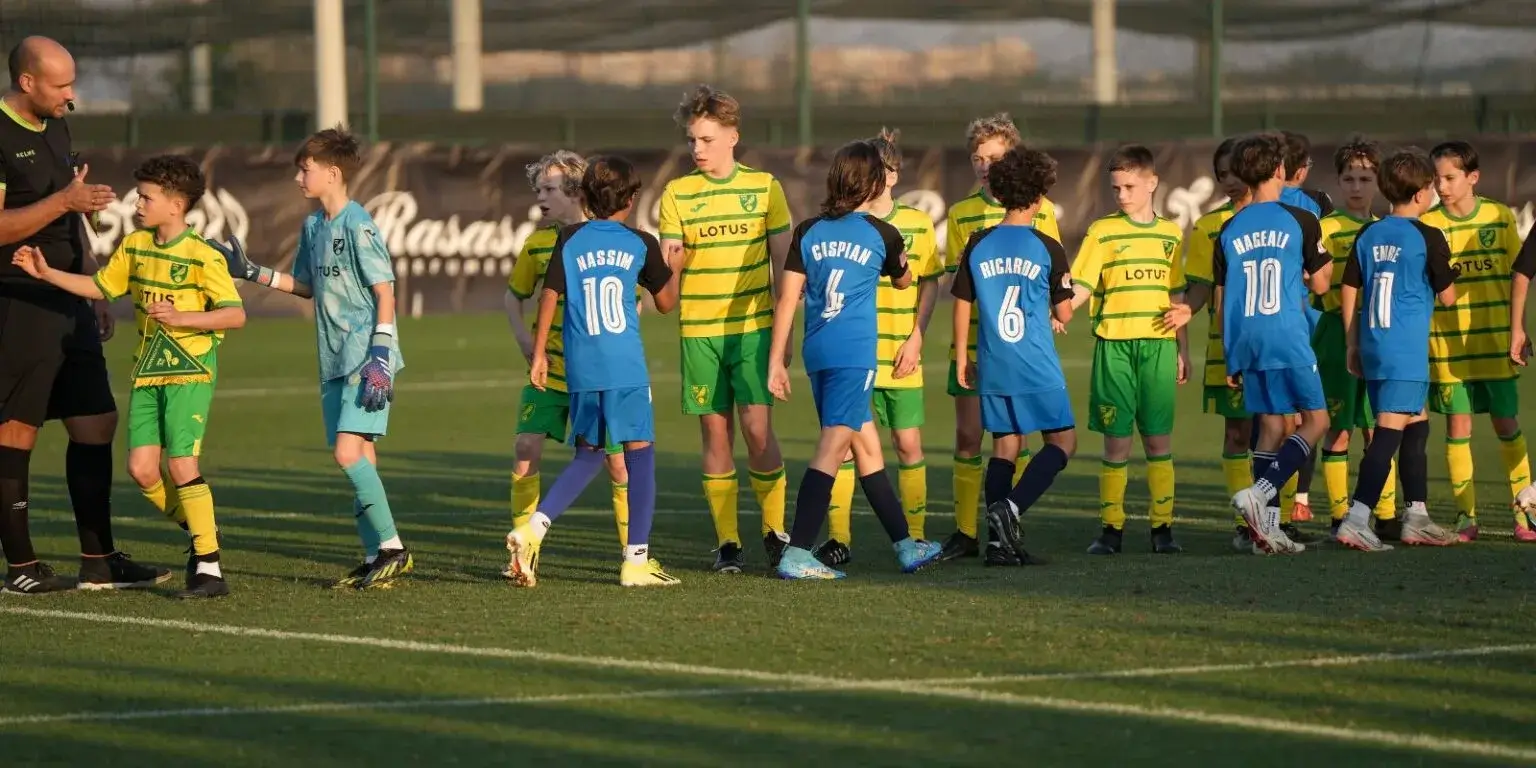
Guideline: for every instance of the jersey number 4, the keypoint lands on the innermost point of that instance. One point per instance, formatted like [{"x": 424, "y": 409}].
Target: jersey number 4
[
  {"x": 1263, "y": 282},
  {"x": 834, "y": 300},
  {"x": 604, "y": 302}
]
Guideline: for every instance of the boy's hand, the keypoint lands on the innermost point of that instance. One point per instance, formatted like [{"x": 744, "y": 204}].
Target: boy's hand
[
  {"x": 1058, "y": 327},
  {"x": 965, "y": 375},
  {"x": 378, "y": 385},
  {"x": 1184, "y": 367},
  {"x": 234, "y": 257},
  {"x": 165, "y": 313},
  {"x": 1234, "y": 381},
  {"x": 1177, "y": 316},
  {"x": 106, "y": 324},
  {"x": 1352, "y": 362},
  {"x": 908, "y": 357},
  {"x": 1519, "y": 347},
  {"x": 30, "y": 259},
  {"x": 778, "y": 379},
  {"x": 538, "y": 371}
]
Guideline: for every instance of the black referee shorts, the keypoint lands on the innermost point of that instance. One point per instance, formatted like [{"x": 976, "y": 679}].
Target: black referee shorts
[{"x": 51, "y": 363}]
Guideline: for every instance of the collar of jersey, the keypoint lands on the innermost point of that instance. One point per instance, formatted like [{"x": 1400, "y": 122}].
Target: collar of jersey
[
  {"x": 1156, "y": 220},
  {"x": 1476, "y": 206},
  {"x": 174, "y": 241},
  {"x": 986, "y": 197},
  {"x": 730, "y": 177},
  {"x": 11, "y": 113},
  {"x": 1356, "y": 219}
]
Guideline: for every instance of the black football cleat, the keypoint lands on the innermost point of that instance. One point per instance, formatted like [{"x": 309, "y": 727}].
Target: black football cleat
[
  {"x": 204, "y": 586},
  {"x": 774, "y": 547},
  {"x": 34, "y": 579},
  {"x": 959, "y": 545},
  {"x": 1108, "y": 542},
  {"x": 729, "y": 558},
  {"x": 118, "y": 571},
  {"x": 833, "y": 553},
  {"x": 1162, "y": 541}
]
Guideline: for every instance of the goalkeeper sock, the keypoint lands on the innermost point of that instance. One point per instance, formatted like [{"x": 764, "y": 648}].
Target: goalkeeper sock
[
  {"x": 369, "y": 489},
  {"x": 1512, "y": 451},
  {"x": 1113, "y": 477},
  {"x": 968, "y": 493},
  {"x": 1458, "y": 460},
  {"x": 1018, "y": 466},
  {"x": 912, "y": 481},
  {"x": 197, "y": 499},
  {"x": 840, "y": 513},
  {"x": 720, "y": 493},
  {"x": 1160, "y": 484},
  {"x": 365, "y": 532},
  {"x": 620, "y": 495},
  {"x": 525, "y": 497},
  {"x": 1336, "y": 481},
  {"x": 574, "y": 479},
  {"x": 641, "y": 512},
  {"x": 770, "y": 488}
]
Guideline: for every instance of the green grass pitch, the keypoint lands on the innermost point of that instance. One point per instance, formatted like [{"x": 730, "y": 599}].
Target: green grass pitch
[{"x": 1409, "y": 658}]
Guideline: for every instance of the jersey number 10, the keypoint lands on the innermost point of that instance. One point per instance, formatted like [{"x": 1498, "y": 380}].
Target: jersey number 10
[
  {"x": 1263, "y": 283},
  {"x": 604, "y": 302}
]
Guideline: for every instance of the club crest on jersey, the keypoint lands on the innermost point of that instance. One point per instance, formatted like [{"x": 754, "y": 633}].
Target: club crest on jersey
[
  {"x": 528, "y": 412},
  {"x": 906, "y": 242},
  {"x": 1235, "y": 398},
  {"x": 178, "y": 273},
  {"x": 1486, "y": 237},
  {"x": 1168, "y": 246},
  {"x": 1107, "y": 415},
  {"x": 338, "y": 245},
  {"x": 700, "y": 394},
  {"x": 748, "y": 202},
  {"x": 1447, "y": 394}
]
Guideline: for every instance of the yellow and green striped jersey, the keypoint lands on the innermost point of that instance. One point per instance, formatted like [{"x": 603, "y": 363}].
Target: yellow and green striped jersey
[
  {"x": 897, "y": 310},
  {"x": 187, "y": 272},
  {"x": 1469, "y": 341},
  {"x": 1130, "y": 269},
  {"x": 527, "y": 273},
  {"x": 978, "y": 211},
  {"x": 724, "y": 225},
  {"x": 1339, "y": 230},
  {"x": 1200, "y": 267}
]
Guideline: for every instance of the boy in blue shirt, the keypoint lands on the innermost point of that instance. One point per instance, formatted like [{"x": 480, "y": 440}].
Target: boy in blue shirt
[
  {"x": 1020, "y": 281},
  {"x": 836, "y": 261},
  {"x": 1403, "y": 266},
  {"x": 343, "y": 266},
  {"x": 1266, "y": 256},
  {"x": 597, "y": 265}
]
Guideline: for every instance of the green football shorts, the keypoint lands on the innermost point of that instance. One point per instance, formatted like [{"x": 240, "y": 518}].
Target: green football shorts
[
  {"x": 548, "y": 413},
  {"x": 722, "y": 371},
  {"x": 1348, "y": 407},
  {"x": 1226, "y": 402},
  {"x": 1134, "y": 386},
  {"x": 170, "y": 416},
  {"x": 899, "y": 407},
  {"x": 1499, "y": 399}
]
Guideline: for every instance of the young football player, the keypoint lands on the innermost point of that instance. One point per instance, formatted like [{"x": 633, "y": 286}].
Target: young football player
[
  {"x": 1016, "y": 279},
  {"x": 1264, "y": 255},
  {"x": 343, "y": 265},
  {"x": 543, "y": 413},
  {"x": 835, "y": 262},
  {"x": 726, "y": 224},
  {"x": 1128, "y": 265},
  {"x": 1219, "y": 398},
  {"x": 602, "y": 262},
  {"x": 184, "y": 300},
  {"x": 1469, "y": 342},
  {"x": 902, "y": 317},
  {"x": 988, "y": 138},
  {"x": 1524, "y": 271},
  {"x": 1396, "y": 270}
]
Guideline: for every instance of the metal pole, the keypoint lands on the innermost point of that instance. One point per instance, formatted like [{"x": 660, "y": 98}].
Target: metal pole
[
  {"x": 468, "y": 85},
  {"x": 371, "y": 68},
  {"x": 1214, "y": 63},
  {"x": 200, "y": 67},
  {"x": 1106, "y": 86},
  {"x": 330, "y": 65},
  {"x": 803, "y": 71}
]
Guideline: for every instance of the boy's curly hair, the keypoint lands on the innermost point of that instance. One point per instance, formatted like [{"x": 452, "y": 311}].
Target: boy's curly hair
[
  {"x": 176, "y": 174},
  {"x": 998, "y": 126},
  {"x": 706, "y": 101},
  {"x": 1021, "y": 177}
]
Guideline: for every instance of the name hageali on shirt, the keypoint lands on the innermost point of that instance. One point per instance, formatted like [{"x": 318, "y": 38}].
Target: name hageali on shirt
[{"x": 1264, "y": 238}]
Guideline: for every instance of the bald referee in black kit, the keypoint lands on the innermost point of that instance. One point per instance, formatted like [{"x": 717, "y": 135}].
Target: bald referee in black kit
[{"x": 51, "y": 365}]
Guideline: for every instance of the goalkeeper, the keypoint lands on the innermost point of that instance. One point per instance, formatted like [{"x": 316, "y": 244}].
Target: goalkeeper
[{"x": 343, "y": 265}]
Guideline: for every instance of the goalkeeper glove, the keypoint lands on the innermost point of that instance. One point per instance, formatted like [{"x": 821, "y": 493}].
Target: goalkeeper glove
[
  {"x": 378, "y": 386},
  {"x": 239, "y": 266}
]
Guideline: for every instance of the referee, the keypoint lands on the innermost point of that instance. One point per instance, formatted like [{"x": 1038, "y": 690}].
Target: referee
[{"x": 51, "y": 366}]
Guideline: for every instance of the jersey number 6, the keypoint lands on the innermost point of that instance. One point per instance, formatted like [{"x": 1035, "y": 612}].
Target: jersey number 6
[{"x": 1010, "y": 319}]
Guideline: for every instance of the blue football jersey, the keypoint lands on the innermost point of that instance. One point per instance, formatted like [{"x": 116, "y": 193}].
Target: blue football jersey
[
  {"x": 1261, "y": 256},
  {"x": 1014, "y": 275},
  {"x": 341, "y": 259},
  {"x": 1399, "y": 265},
  {"x": 842, "y": 260},
  {"x": 1315, "y": 203},
  {"x": 597, "y": 265}
]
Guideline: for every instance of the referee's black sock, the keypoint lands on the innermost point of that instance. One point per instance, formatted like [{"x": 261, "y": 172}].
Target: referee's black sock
[
  {"x": 88, "y": 473},
  {"x": 15, "y": 538}
]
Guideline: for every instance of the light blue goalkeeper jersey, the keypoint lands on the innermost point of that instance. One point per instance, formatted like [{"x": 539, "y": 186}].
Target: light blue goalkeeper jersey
[{"x": 342, "y": 259}]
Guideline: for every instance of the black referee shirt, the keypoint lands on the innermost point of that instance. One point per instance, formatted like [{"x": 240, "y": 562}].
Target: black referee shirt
[{"x": 35, "y": 163}]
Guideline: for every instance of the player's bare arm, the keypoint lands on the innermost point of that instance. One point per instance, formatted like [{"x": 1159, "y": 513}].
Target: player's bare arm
[
  {"x": 965, "y": 374},
  {"x": 538, "y": 369},
  {"x": 791, "y": 287},
  {"x": 515, "y": 316},
  {"x": 910, "y": 356},
  {"x": 17, "y": 224},
  {"x": 106, "y": 325},
  {"x": 1320, "y": 281},
  {"x": 221, "y": 319},
  {"x": 1519, "y": 289},
  {"x": 30, "y": 259},
  {"x": 1349, "y": 300}
]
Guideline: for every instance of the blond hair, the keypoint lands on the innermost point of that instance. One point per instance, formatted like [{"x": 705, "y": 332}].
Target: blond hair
[
  {"x": 708, "y": 102},
  {"x": 564, "y": 161},
  {"x": 998, "y": 126}
]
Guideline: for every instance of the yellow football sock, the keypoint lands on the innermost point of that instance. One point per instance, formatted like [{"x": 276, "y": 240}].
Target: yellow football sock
[
  {"x": 840, "y": 512},
  {"x": 1019, "y": 465},
  {"x": 166, "y": 500},
  {"x": 197, "y": 500},
  {"x": 1458, "y": 462},
  {"x": 525, "y": 498},
  {"x": 912, "y": 482},
  {"x": 1288, "y": 499},
  {"x": 1336, "y": 481},
  {"x": 1160, "y": 484},
  {"x": 621, "y": 511},
  {"x": 967, "y": 493},
  {"x": 1517, "y": 462},
  {"x": 769, "y": 488},
  {"x": 1113, "y": 477},
  {"x": 1386, "y": 506},
  {"x": 1237, "y": 471},
  {"x": 720, "y": 493}
]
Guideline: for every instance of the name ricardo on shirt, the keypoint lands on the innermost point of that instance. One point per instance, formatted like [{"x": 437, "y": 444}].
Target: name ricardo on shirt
[
  {"x": 1010, "y": 266},
  {"x": 595, "y": 259},
  {"x": 1264, "y": 238},
  {"x": 841, "y": 249}
]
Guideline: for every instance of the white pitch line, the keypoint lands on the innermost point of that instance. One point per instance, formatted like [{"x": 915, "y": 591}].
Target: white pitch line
[{"x": 387, "y": 704}]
